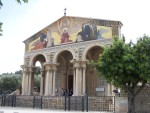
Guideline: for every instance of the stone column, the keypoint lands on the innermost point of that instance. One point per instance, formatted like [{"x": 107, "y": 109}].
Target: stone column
[
  {"x": 54, "y": 68},
  {"x": 29, "y": 83},
  {"x": 26, "y": 83},
  {"x": 77, "y": 82},
  {"x": 84, "y": 80},
  {"x": 83, "y": 63},
  {"x": 80, "y": 81},
  {"x": 23, "y": 83},
  {"x": 42, "y": 83},
  {"x": 30, "y": 80},
  {"x": 47, "y": 70},
  {"x": 54, "y": 81},
  {"x": 24, "y": 79},
  {"x": 50, "y": 78},
  {"x": 74, "y": 81},
  {"x": 47, "y": 84},
  {"x": 50, "y": 83},
  {"x": 78, "y": 78}
]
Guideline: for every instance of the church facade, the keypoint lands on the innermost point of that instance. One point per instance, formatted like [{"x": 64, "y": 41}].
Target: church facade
[{"x": 64, "y": 49}]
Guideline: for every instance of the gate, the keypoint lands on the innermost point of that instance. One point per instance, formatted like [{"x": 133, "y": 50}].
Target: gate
[
  {"x": 8, "y": 100},
  {"x": 37, "y": 102},
  {"x": 75, "y": 103}
]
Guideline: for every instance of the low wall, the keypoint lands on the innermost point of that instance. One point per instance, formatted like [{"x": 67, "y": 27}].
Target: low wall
[
  {"x": 53, "y": 102},
  {"x": 121, "y": 104},
  {"x": 24, "y": 101},
  {"x": 105, "y": 103},
  {"x": 142, "y": 101},
  {"x": 75, "y": 103}
]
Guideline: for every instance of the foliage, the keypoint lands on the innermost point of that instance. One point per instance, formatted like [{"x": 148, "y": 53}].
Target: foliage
[
  {"x": 38, "y": 71},
  {"x": 1, "y": 29},
  {"x": 10, "y": 82},
  {"x": 125, "y": 65},
  {"x": 19, "y": 72},
  {"x": 1, "y": 4},
  {"x": 19, "y": 1},
  {"x": 143, "y": 57},
  {"x": 37, "y": 83}
]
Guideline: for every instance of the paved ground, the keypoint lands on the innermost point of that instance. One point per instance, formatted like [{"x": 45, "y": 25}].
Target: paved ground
[
  {"x": 31, "y": 110},
  {"x": 26, "y": 110}
]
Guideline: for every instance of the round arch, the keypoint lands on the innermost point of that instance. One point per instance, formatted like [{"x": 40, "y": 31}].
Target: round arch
[
  {"x": 93, "y": 80},
  {"x": 37, "y": 83},
  {"x": 37, "y": 57},
  {"x": 89, "y": 47},
  {"x": 62, "y": 50}
]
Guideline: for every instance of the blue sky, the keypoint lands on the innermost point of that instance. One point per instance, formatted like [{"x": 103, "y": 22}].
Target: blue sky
[{"x": 22, "y": 21}]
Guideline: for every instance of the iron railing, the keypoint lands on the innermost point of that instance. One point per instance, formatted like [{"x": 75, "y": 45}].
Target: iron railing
[{"x": 67, "y": 103}]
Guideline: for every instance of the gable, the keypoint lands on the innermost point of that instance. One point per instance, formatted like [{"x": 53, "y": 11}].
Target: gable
[{"x": 72, "y": 30}]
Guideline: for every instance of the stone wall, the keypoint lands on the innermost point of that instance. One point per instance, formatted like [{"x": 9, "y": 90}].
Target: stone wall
[
  {"x": 142, "y": 101},
  {"x": 53, "y": 102},
  {"x": 102, "y": 103},
  {"x": 121, "y": 104},
  {"x": 24, "y": 101}
]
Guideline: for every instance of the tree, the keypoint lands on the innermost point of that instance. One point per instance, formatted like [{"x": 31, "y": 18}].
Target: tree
[
  {"x": 37, "y": 83},
  {"x": 1, "y": 4},
  {"x": 10, "y": 83},
  {"x": 19, "y": 72},
  {"x": 38, "y": 70},
  {"x": 125, "y": 65}
]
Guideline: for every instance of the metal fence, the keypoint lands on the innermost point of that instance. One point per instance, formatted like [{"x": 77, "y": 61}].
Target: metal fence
[
  {"x": 106, "y": 104},
  {"x": 67, "y": 103},
  {"x": 76, "y": 103}
]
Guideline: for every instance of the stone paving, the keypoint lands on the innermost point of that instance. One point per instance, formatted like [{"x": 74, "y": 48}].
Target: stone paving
[{"x": 31, "y": 110}]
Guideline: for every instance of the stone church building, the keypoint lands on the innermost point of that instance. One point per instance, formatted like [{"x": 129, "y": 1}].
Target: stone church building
[{"x": 63, "y": 49}]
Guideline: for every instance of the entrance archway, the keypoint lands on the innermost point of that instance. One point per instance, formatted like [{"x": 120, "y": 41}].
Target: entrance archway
[
  {"x": 38, "y": 77},
  {"x": 65, "y": 71},
  {"x": 93, "y": 80}
]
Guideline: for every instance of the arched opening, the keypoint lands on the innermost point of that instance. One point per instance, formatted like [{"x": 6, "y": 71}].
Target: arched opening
[
  {"x": 64, "y": 75},
  {"x": 93, "y": 80},
  {"x": 38, "y": 77}
]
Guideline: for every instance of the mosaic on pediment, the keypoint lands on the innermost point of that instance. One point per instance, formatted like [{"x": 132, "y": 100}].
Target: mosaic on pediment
[{"x": 70, "y": 30}]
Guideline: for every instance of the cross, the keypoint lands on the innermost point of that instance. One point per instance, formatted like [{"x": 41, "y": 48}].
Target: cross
[{"x": 65, "y": 12}]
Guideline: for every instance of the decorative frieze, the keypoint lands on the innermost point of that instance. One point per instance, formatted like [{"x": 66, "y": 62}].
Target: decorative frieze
[{"x": 71, "y": 46}]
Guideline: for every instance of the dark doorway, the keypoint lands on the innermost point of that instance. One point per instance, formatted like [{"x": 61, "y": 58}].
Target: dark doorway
[{"x": 70, "y": 81}]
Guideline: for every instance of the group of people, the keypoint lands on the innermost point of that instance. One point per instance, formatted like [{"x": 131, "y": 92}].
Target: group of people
[{"x": 66, "y": 92}]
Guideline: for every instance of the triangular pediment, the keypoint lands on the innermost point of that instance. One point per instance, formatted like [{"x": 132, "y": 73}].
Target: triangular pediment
[{"x": 70, "y": 29}]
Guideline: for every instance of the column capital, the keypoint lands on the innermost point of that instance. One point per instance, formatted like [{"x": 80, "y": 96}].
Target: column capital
[
  {"x": 51, "y": 66},
  {"x": 24, "y": 66},
  {"x": 27, "y": 68},
  {"x": 31, "y": 68},
  {"x": 79, "y": 63}
]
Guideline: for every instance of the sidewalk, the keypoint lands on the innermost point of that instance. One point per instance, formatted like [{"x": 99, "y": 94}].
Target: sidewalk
[
  {"x": 31, "y": 110},
  {"x": 27, "y": 110}
]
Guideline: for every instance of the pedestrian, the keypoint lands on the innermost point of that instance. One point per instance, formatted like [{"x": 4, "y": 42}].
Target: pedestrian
[{"x": 62, "y": 92}]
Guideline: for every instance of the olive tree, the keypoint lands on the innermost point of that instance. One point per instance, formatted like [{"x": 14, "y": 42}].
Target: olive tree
[
  {"x": 125, "y": 65},
  {"x": 10, "y": 82}
]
